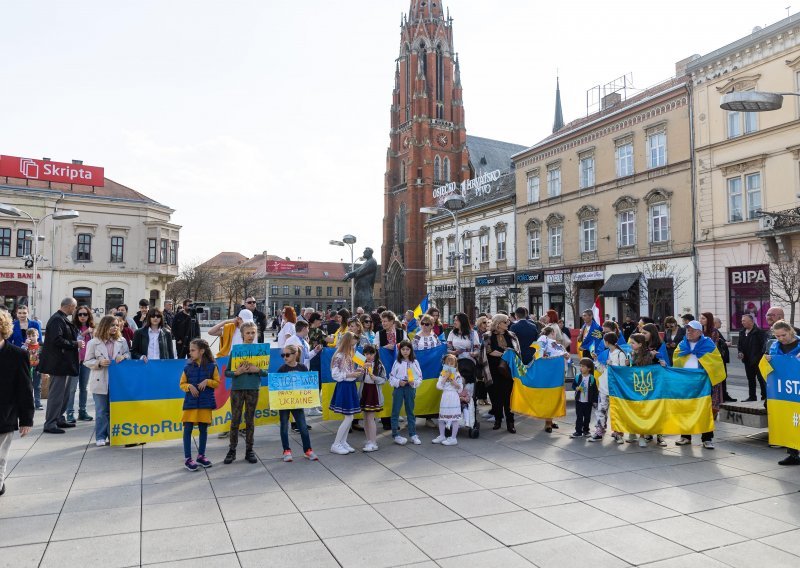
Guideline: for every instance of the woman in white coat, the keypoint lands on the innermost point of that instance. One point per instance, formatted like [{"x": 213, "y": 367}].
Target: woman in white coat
[{"x": 106, "y": 346}]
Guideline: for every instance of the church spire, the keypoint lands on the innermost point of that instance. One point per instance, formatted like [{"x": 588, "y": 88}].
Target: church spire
[{"x": 558, "y": 122}]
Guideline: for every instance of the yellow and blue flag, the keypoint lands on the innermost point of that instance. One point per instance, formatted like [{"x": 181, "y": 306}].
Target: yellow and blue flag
[
  {"x": 358, "y": 358},
  {"x": 593, "y": 341},
  {"x": 707, "y": 355},
  {"x": 782, "y": 374},
  {"x": 660, "y": 400},
  {"x": 539, "y": 387},
  {"x": 413, "y": 325}
]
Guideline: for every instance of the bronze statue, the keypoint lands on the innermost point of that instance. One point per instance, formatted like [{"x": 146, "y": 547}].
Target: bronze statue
[{"x": 364, "y": 280}]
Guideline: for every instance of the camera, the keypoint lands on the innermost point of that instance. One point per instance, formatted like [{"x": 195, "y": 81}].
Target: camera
[{"x": 196, "y": 308}]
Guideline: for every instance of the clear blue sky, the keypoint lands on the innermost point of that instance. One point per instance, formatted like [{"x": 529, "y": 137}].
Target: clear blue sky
[{"x": 265, "y": 124}]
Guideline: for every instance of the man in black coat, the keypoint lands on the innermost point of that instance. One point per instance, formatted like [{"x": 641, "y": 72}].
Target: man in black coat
[
  {"x": 184, "y": 329},
  {"x": 16, "y": 394},
  {"x": 752, "y": 341},
  {"x": 59, "y": 359},
  {"x": 258, "y": 316},
  {"x": 527, "y": 332}
]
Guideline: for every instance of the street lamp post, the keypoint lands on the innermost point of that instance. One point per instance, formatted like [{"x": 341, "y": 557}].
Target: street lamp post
[
  {"x": 753, "y": 101},
  {"x": 349, "y": 240},
  {"x": 58, "y": 215},
  {"x": 452, "y": 204}
]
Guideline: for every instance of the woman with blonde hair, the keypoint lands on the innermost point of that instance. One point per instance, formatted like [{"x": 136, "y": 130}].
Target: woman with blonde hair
[
  {"x": 345, "y": 398},
  {"x": 496, "y": 371},
  {"x": 107, "y": 345}
]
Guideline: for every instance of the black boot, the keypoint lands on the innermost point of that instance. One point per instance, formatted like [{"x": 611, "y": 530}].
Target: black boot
[
  {"x": 510, "y": 428},
  {"x": 230, "y": 457},
  {"x": 250, "y": 456},
  {"x": 497, "y": 424}
]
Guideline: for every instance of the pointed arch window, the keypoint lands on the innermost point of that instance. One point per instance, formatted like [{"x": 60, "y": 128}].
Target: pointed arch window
[
  {"x": 446, "y": 169},
  {"x": 439, "y": 82},
  {"x": 437, "y": 168},
  {"x": 403, "y": 171},
  {"x": 408, "y": 83}
]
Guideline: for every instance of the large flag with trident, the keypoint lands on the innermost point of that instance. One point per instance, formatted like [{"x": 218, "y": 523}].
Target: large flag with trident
[{"x": 539, "y": 387}]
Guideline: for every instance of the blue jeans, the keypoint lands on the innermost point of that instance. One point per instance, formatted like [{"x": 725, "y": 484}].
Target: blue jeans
[
  {"x": 101, "y": 411},
  {"x": 36, "y": 379},
  {"x": 404, "y": 396},
  {"x": 300, "y": 419},
  {"x": 188, "y": 427},
  {"x": 79, "y": 381}
]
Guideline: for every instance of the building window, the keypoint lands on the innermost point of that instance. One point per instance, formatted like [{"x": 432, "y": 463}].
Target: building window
[
  {"x": 467, "y": 252},
  {"x": 329, "y": 291},
  {"x": 554, "y": 239},
  {"x": 626, "y": 229},
  {"x": 173, "y": 252},
  {"x": 319, "y": 291},
  {"x": 451, "y": 254},
  {"x": 403, "y": 171},
  {"x": 285, "y": 290},
  {"x": 83, "y": 296},
  {"x": 274, "y": 291},
  {"x": 741, "y": 123},
  {"x": 534, "y": 243},
  {"x": 439, "y": 246},
  {"x": 437, "y": 169},
  {"x": 553, "y": 181},
  {"x": 162, "y": 257},
  {"x": 339, "y": 291},
  {"x": 84, "y": 247},
  {"x": 589, "y": 235},
  {"x": 151, "y": 251},
  {"x": 484, "y": 242},
  {"x": 117, "y": 249},
  {"x": 114, "y": 297},
  {"x": 446, "y": 169},
  {"x": 748, "y": 201},
  {"x": 5, "y": 242},
  {"x": 501, "y": 245},
  {"x": 308, "y": 290},
  {"x": 659, "y": 223},
  {"x": 24, "y": 242},
  {"x": 657, "y": 149},
  {"x": 624, "y": 156},
  {"x": 297, "y": 290},
  {"x": 533, "y": 186},
  {"x": 586, "y": 171}
]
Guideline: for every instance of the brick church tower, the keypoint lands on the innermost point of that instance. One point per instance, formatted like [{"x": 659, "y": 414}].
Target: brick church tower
[{"x": 427, "y": 149}]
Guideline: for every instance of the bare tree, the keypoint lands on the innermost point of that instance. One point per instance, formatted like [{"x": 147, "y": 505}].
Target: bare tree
[
  {"x": 232, "y": 288},
  {"x": 571, "y": 299},
  {"x": 661, "y": 298},
  {"x": 194, "y": 281},
  {"x": 784, "y": 283}
]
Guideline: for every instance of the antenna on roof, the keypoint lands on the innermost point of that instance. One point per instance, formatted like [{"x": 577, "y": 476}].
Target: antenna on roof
[{"x": 603, "y": 97}]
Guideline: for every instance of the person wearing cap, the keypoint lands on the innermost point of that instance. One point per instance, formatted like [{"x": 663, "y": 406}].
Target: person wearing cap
[
  {"x": 697, "y": 342},
  {"x": 229, "y": 332},
  {"x": 153, "y": 340}
]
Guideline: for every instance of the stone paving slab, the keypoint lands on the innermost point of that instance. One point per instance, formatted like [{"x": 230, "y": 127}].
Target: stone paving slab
[{"x": 530, "y": 499}]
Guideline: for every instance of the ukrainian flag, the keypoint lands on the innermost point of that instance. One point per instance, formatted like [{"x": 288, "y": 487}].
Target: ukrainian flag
[
  {"x": 358, "y": 358},
  {"x": 413, "y": 325},
  {"x": 660, "y": 400},
  {"x": 594, "y": 338},
  {"x": 782, "y": 374},
  {"x": 707, "y": 355},
  {"x": 538, "y": 388}
]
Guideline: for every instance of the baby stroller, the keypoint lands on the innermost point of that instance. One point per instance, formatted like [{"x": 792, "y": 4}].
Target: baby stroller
[{"x": 469, "y": 403}]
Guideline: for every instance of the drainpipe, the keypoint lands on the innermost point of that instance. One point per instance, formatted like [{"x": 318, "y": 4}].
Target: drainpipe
[{"x": 693, "y": 171}]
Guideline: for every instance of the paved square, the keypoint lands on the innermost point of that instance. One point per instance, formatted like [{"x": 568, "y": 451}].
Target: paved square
[{"x": 529, "y": 499}]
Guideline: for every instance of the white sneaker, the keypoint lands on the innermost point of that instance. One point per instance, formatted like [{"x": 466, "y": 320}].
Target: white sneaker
[
  {"x": 631, "y": 438},
  {"x": 430, "y": 423},
  {"x": 661, "y": 441},
  {"x": 416, "y": 441},
  {"x": 401, "y": 419},
  {"x": 339, "y": 449},
  {"x": 450, "y": 441},
  {"x": 314, "y": 412},
  {"x": 683, "y": 442},
  {"x": 438, "y": 439},
  {"x": 350, "y": 449},
  {"x": 370, "y": 448},
  {"x": 618, "y": 438},
  {"x": 708, "y": 444},
  {"x": 399, "y": 440},
  {"x": 100, "y": 443},
  {"x": 642, "y": 442}
]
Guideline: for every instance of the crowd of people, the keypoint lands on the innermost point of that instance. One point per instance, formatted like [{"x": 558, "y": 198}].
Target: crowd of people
[{"x": 77, "y": 352}]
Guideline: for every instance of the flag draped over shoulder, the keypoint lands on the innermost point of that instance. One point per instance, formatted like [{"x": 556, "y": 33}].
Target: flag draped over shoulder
[
  {"x": 660, "y": 400},
  {"x": 707, "y": 355},
  {"x": 539, "y": 387},
  {"x": 594, "y": 338},
  {"x": 782, "y": 374},
  {"x": 413, "y": 325}
]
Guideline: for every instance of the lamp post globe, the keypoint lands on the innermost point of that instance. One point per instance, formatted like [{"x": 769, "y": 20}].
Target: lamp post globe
[{"x": 751, "y": 101}]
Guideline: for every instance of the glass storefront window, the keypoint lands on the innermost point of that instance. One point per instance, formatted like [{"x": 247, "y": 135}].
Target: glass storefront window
[{"x": 748, "y": 293}]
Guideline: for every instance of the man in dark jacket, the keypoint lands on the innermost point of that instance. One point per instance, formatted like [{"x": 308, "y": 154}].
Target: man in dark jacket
[
  {"x": 184, "y": 329},
  {"x": 59, "y": 359},
  {"x": 752, "y": 340},
  {"x": 16, "y": 394},
  {"x": 258, "y": 316},
  {"x": 527, "y": 332}
]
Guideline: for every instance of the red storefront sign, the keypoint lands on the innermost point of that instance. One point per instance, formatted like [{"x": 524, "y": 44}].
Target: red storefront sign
[
  {"x": 287, "y": 266},
  {"x": 28, "y": 168}
]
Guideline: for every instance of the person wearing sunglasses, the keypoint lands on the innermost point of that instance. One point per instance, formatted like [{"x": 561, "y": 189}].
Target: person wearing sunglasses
[
  {"x": 152, "y": 341},
  {"x": 84, "y": 321},
  {"x": 258, "y": 316}
]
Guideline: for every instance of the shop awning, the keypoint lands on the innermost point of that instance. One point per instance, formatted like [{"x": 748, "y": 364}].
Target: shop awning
[{"x": 618, "y": 284}]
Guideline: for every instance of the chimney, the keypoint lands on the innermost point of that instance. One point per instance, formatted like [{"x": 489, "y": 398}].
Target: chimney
[
  {"x": 610, "y": 100},
  {"x": 77, "y": 162},
  {"x": 45, "y": 159}
]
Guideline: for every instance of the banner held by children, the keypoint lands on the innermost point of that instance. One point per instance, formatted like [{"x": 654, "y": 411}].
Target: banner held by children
[
  {"x": 293, "y": 390},
  {"x": 782, "y": 374},
  {"x": 257, "y": 354},
  {"x": 538, "y": 388},
  {"x": 660, "y": 400}
]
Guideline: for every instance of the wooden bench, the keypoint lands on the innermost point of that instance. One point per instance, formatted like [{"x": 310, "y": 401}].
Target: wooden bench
[{"x": 752, "y": 414}]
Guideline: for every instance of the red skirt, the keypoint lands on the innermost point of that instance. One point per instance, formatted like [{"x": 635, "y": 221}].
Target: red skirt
[{"x": 369, "y": 398}]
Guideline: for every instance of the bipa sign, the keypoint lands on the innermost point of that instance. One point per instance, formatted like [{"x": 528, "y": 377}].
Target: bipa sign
[
  {"x": 28, "y": 168},
  {"x": 749, "y": 276}
]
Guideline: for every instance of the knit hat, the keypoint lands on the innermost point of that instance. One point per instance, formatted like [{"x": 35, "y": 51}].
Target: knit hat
[{"x": 246, "y": 315}]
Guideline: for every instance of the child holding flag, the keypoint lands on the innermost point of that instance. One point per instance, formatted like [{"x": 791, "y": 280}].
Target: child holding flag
[
  {"x": 612, "y": 356},
  {"x": 450, "y": 383},
  {"x": 199, "y": 379},
  {"x": 345, "y": 399},
  {"x": 405, "y": 377},
  {"x": 371, "y": 395},
  {"x": 586, "y": 395}
]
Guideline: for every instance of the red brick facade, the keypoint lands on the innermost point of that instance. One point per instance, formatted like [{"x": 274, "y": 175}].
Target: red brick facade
[{"x": 428, "y": 146}]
